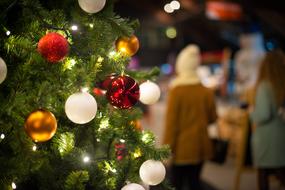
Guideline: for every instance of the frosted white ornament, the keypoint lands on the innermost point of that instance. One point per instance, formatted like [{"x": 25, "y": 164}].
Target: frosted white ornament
[
  {"x": 133, "y": 186},
  {"x": 81, "y": 107},
  {"x": 149, "y": 92},
  {"x": 152, "y": 172},
  {"x": 92, "y": 6},
  {"x": 3, "y": 70}
]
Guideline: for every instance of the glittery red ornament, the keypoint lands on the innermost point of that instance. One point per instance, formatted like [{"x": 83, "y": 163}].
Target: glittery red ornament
[
  {"x": 105, "y": 84},
  {"x": 123, "y": 92},
  {"x": 121, "y": 151},
  {"x": 53, "y": 46}
]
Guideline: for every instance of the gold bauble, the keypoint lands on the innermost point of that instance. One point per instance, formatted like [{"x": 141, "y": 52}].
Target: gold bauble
[
  {"x": 137, "y": 125},
  {"x": 128, "y": 45},
  {"x": 40, "y": 125}
]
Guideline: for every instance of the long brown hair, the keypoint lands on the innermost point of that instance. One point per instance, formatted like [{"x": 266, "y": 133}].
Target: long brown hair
[{"x": 272, "y": 69}]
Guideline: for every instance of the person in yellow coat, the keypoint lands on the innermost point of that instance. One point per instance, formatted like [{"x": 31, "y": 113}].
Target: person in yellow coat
[{"x": 190, "y": 109}]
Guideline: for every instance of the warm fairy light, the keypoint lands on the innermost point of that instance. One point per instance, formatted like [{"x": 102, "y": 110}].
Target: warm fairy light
[
  {"x": 74, "y": 27},
  {"x": 34, "y": 148},
  {"x": 14, "y": 185},
  {"x": 122, "y": 140},
  {"x": 69, "y": 63},
  {"x": 86, "y": 159},
  {"x": 100, "y": 59},
  {"x": 175, "y": 5},
  {"x": 98, "y": 140},
  {"x": 104, "y": 123},
  {"x": 72, "y": 62},
  {"x": 168, "y": 9},
  {"x": 146, "y": 137},
  {"x": 108, "y": 167},
  {"x": 113, "y": 170},
  {"x": 137, "y": 153},
  {"x": 2, "y": 136},
  {"x": 171, "y": 32},
  {"x": 112, "y": 54},
  {"x": 91, "y": 25},
  {"x": 8, "y": 32},
  {"x": 84, "y": 89}
]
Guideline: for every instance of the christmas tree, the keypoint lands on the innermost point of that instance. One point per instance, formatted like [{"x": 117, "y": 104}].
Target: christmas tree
[{"x": 69, "y": 117}]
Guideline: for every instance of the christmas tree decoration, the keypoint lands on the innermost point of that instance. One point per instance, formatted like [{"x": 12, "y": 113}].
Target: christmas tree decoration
[
  {"x": 137, "y": 153},
  {"x": 123, "y": 92},
  {"x": 3, "y": 70},
  {"x": 152, "y": 172},
  {"x": 98, "y": 92},
  {"x": 133, "y": 186},
  {"x": 149, "y": 92},
  {"x": 53, "y": 47},
  {"x": 40, "y": 125},
  {"x": 105, "y": 84},
  {"x": 92, "y": 6},
  {"x": 121, "y": 150},
  {"x": 137, "y": 125},
  {"x": 127, "y": 45},
  {"x": 81, "y": 107},
  {"x": 99, "y": 143}
]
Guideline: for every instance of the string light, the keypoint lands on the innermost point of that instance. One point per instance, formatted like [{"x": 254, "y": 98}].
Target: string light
[
  {"x": 91, "y": 25},
  {"x": 146, "y": 138},
  {"x": 168, "y": 8},
  {"x": 69, "y": 63},
  {"x": 171, "y": 32},
  {"x": 86, "y": 159},
  {"x": 8, "y": 32},
  {"x": 74, "y": 27},
  {"x": 113, "y": 170},
  {"x": 72, "y": 62},
  {"x": 2, "y": 136},
  {"x": 34, "y": 148},
  {"x": 100, "y": 115},
  {"x": 137, "y": 153},
  {"x": 112, "y": 54},
  {"x": 175, "y": 5},
  {"x": 104, "y": 123},
  {"x": 108, "y": 167},
  {"x": 14, "y": 185},
  {"x": 122, "y": 140},
  {"x": 100, "y": 59}
]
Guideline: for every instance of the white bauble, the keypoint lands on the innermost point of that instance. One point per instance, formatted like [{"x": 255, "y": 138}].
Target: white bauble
[
  {"x": 152, "y": 172},
  {"x": 3, "y": 70},
  {"x": 149, "y": 92},
  {"x": 133, "y": 186},
  {"x": 81, "y": 107},
  {"x": 92, "y": 6}
]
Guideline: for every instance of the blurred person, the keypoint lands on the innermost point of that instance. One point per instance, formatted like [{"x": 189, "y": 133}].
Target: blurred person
[
  {"x": 247, "y": 61},
  {"x": 268, "y": 140},
  {"x": 190, "y": 109}
]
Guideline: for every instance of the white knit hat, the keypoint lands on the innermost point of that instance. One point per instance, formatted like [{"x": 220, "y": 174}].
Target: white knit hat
[
  {"x": 188, "y": 60},
  {"x": 187, "y": 63}
]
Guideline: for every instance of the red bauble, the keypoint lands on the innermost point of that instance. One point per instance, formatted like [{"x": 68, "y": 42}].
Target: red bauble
[
  {"x": 105, "y": 84},
  {"x": 123, "y": 92},
  {"x": 53, "y": 46},
  {"x": 121, "y": 151}
]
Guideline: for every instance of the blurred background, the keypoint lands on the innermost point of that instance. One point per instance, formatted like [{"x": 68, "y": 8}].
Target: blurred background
[{"x": 233, "y": 37}]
